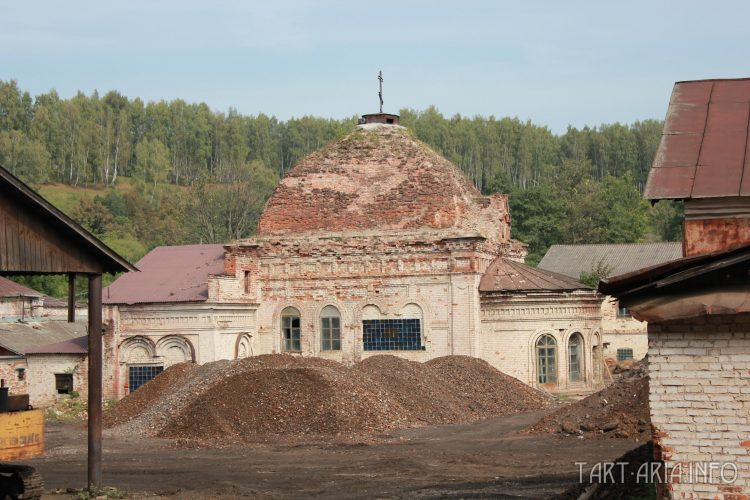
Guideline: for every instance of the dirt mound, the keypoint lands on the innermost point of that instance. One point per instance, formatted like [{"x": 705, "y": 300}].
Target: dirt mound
[
  {"x": 287, "y": 402},
  {"x": 411, "y": 386},
  {"x": 286, "y": 396},
  {"x": 484, "y": 390},
  {"x": 148, "y": 394},
  {"x": 620, "y": 410}
]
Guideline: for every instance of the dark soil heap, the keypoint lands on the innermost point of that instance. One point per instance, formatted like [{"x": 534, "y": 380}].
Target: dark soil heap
[
  {"x": 148, "y": 394},
  {"x": 287, "y": 396},
  {"x": 620, "y": 410}
]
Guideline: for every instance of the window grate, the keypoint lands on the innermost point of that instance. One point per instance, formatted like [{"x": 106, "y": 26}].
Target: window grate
[
  {"x": 392, "y": 335},
  {"x": 624, "y": 354},
  {"x": 139, "y": 375}
]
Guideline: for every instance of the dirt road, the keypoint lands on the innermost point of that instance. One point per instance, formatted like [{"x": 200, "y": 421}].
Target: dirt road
[{"x": 480, "y": 460}]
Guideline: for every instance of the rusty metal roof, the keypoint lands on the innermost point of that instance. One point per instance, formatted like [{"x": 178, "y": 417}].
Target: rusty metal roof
[
  {"x": 10, "y": 288},
  {"x": 676, "y": 273},
  {"x": 619, "y": 258},
  {"x": 78, "y": 345},
  {"x": 704, "y": 146},
  {"x": 169, "y": 274},
  {"x": 505, "y": 275}
]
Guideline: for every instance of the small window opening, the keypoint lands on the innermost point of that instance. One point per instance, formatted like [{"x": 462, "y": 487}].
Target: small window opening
[
  {"x": 20, "y": 373},
  {"x": 622, "y": 312},
  {"x": 247, "y": 281},
  {"x": 389, "y": 120},
  {"x": 64, "y": 383},
  {"x": 624, "y": 354}
]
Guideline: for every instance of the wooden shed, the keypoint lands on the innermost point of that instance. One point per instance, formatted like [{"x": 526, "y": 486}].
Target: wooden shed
[{"x": 37, "y": 238}]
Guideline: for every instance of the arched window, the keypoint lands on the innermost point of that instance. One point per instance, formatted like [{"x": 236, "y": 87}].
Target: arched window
[
  {"x": 575, "y": 346},
  {"x": 290, "y": 330},
  {"x": 330, "y": 329},
  {"x": 545, "y": 353}
]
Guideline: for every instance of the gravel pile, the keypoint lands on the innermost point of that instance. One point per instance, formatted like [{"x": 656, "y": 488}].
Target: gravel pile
[
  {"x": 280, "y": 395},
  {"x": 484, "y": 390},
  {"x": 412, "y": 387},
  {"x": 620, "y": 410},
  {"x": 148, "y": 395}
]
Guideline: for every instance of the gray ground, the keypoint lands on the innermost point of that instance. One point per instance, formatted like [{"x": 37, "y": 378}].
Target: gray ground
[{"x": 480, "y": 460}]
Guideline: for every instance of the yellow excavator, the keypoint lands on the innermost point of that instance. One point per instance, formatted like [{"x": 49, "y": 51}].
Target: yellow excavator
[{"x": 21, "y": 437}]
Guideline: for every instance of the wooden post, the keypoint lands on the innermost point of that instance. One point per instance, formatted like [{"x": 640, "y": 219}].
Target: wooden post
[
  {"x": 95, "y": 382},
  {"x": 71, "y": 297}
]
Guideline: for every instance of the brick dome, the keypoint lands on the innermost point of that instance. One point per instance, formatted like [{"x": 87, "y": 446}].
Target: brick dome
[{"x": 380, "y": 178}]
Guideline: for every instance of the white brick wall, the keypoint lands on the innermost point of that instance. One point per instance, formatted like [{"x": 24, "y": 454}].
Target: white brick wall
[
  {"x": 512, "y": 323},
  {"x": 622, "y": 332},
  {"x": 41, "y": 376},
  {"x": 700, "y": 398}
]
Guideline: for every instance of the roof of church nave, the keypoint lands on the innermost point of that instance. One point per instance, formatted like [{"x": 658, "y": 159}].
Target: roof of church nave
[
  {"x": 505, "y": 275},
  {"x": 380, "y": 178}
]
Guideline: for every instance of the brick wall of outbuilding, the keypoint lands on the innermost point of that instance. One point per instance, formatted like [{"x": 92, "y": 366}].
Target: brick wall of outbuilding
[
  {"x": 700, "y": 399},
  {"x": 9, "y": 371},
  {"x": 41, "y": 376}
]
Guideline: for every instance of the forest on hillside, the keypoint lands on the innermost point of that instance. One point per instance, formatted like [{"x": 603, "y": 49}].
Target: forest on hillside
[{"x": 166, "y": 173}]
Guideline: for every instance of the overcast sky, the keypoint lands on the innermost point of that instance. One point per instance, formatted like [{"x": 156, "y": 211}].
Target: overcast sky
[{"x": 553, "y": 62}]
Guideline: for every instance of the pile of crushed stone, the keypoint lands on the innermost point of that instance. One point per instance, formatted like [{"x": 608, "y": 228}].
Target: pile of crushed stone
[
  {"x": 620, "y": 411},
  {"x": 272, "y": 396}
]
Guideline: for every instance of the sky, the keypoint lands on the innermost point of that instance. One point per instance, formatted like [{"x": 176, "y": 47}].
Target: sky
[{"x": 555, "y": 63}]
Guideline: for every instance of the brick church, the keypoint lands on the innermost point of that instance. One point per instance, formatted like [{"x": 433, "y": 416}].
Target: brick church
[{"x": 373, "y": 245}]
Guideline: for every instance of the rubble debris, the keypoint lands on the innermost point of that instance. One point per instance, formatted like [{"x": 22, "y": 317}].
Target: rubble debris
[
  {"x": 283, "y": 396},
  {"x": 619, "y": 411}
]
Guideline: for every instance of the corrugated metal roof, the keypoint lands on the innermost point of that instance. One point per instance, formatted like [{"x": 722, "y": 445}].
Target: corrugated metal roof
[
  {"x": 507, "y": 275},
  {"x": 78, "y": 345},
  {"x": 704, "y": 145},
  {"x": 169, "y": 274},
  {"x": 20, "y": 337},
  {"x": 10, "y": 288},
  {"x": 572, "y": 260}
]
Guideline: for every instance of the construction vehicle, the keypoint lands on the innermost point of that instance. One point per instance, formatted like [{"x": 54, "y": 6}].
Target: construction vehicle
[{"x": 21, "y": 437}]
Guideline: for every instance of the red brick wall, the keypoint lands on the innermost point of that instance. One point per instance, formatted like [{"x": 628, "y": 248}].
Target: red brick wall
[{"x": 711, "y": 235}]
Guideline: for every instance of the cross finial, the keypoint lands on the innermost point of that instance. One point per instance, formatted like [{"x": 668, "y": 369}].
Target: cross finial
[{"x": 380, "y": 94}]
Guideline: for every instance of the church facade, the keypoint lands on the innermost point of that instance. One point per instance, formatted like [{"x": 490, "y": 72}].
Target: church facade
[{"x": 378, "y": 245}]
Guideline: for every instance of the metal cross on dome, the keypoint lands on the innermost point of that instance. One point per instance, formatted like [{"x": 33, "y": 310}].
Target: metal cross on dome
[{"x": 380, "y": 94}]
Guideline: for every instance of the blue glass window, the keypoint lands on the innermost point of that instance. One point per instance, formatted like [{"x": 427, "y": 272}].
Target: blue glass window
[
  {"x": 139, "y": 375},
  {"x": 392, "y": 335}
]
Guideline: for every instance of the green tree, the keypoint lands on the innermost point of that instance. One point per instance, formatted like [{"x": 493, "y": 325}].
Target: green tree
[{"x": 152, "y": 164}]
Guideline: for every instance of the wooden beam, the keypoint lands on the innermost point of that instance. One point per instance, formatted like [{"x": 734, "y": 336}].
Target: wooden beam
[
  {"x": 95, "y": 382},
  {"x": 71, "y": 298}
]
